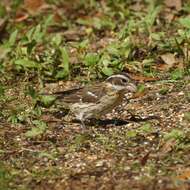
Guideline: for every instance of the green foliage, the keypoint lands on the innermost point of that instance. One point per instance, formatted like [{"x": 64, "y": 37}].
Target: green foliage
[
  {"x": 91, "y": 59},
  {"x": 46, "y": 155},
  {"x": 63, "y": 70},
  {"x": 12, "y": 39},
  {"x": 150, "y": 18},
  {"x": 39, "y": 129},
  {"x": 5, "y": 177},
  {"x": 163, "y": 91},
  {"x": 141, "y": 88},
  {"x": 31, "y": 92},
  {"x": 47, "y": 101},
  {"x": 187, "y": 116},
  {"x": 174, "y": 134},
  {"x": 2, "y": 90},
  {"x": 177, "y": 74},
  {"x": 185, "y": 22},
  {"x": 146, "y": 128},
  {"x": 97, "y": 23},
  {"x": 26, "y": 64},
  {"x": 131, "y": 134},
  {"x": 2, "y": 11}
]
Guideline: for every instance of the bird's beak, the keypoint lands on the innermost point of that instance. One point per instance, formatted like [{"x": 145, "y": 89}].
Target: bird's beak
[{"x": 131, "y": 87}]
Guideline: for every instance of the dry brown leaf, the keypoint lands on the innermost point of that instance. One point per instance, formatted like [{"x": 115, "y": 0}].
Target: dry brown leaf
[
  {"x": 34, "y": 6},
  {"x": 140, "y": 94},
  {"x": 144, "y": 159},
  {"x": 168, "y": 146},
  {"x": 21, "y": 16},
  {"x": 177, "y": 4},
  {"x": 137, "y": 6},
  {"x": 184, "y": 175},
  {"x": 143, "y": 78},
  {"x": 3, "y": 23},
  {"x": 49, "y": 118},
  {"x": 169, "y": 15},
  {"x": 169, "y": 60},
  {"x": 57, "y": 17}
]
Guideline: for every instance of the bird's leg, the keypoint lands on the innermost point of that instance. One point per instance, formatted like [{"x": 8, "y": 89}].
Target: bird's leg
[
  {"x": 68, "y": 116},
  {"x": 81, "y": 119},
  {"x": 83, "y": 126}
]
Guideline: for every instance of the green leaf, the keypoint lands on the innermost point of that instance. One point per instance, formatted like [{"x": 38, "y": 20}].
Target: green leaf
[
  {"x": 141, "y": 88},
  {"x": 47, "y": 101},
  {"x": 177, "y": 74},
  {"x": 65, "y": 64},
  {"x": 57, "y": 39},
  {"x": 107, "y": 71},
  {"x": 150, "y": 18},
  {"x": 31, "y": 92},
  {"x": 185, "y": 22},
  {"x": 163, "y": 91},
  {"x": 91, "y": 59},
  {"x": 29, "y": 34},
  {"x": 12, "y": 38},
  {"x": 38, "y": 34},
  {"x": 187, "y": 116},
  {"x": 40, "y": 128},
  {"x": 2, "y": 90},
  {"x": 146, "y": 128},
  {"x": 26, "y": 63},
  {"x": 2, "y": 11},
  {"x": 174, "y": 134},
  {"x": 131, "y": 134},
  {"x": 113, "y": 50},
  {"x": 46, "y": 155},
  {"x": 97, "y": 23}
]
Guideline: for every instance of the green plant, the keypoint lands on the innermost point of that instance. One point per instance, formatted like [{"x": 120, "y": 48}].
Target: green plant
[{"x": 39, "y": 129}]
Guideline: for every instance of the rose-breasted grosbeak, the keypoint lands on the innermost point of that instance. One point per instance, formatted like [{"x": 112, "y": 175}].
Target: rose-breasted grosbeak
[{"x": 98, "y": 99}]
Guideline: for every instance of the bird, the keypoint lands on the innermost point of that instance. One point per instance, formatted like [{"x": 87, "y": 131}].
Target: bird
[{"x": 96, "y": 100}]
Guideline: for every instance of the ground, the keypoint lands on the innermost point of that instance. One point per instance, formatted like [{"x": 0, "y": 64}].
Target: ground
[{"x": 148, "y": 149}]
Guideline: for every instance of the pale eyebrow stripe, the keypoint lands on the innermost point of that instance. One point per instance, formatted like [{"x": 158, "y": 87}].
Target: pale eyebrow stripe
[
  {"x": 119, "y": 76},
  {"x": 91, "y": 94}
]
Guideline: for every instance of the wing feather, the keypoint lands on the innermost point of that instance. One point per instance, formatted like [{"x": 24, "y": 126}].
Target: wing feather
[{"x": 88, "y": 94}]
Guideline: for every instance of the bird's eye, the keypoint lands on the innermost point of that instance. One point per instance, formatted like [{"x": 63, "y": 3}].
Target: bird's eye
[{"x": 124, "y": 80}]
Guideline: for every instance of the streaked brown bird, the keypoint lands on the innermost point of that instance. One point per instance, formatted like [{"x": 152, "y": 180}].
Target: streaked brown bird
[{"x": 95, "y": 100}]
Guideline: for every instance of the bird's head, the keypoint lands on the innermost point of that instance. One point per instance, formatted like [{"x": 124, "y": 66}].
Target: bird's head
[{"x": 122, "y": 82}]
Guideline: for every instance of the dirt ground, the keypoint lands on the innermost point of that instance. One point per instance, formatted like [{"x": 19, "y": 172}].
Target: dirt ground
[{"x": 148, "y": 151}]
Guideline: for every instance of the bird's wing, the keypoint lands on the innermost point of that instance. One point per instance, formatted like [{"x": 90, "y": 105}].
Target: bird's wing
[{"x": 88, "y": 94}]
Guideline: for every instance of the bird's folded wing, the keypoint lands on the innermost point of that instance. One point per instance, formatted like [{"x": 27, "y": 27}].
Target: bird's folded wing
[{"x": 88, "y": 94}]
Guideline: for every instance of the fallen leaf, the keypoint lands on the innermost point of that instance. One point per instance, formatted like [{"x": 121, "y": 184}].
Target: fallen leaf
[
  {"x": 141, "y": 78},
  {"x": 177, "y": 4},
  {"x": 3, "y": 23},
  {"x": 169, "y": 60},
  {"x": 34, "y": 6},
  {"x": 20, "y": 16},
  {"x": 139, "y": 94},
  {"x": 169, "y": 15},
  {"x": 167, "y": 146},
  {"x": 141, "y": 91},
  {"x": 137, "y": 6},
  {"x": 57, "y": 17},
  {"x": 184, "y": 175},
  {"x": 144, "y": 159}
]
